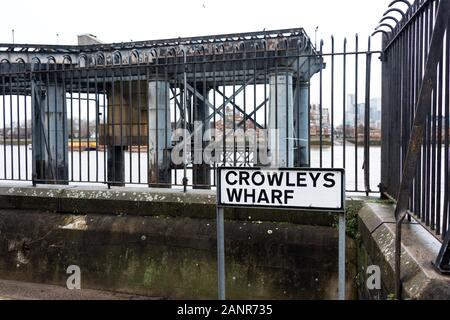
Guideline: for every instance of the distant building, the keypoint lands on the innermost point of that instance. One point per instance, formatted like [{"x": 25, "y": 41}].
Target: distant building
[
  {"x": 233, "y": 120},
  {"x": 315, "y": 121},
  {"x": 358, "y": 112}
]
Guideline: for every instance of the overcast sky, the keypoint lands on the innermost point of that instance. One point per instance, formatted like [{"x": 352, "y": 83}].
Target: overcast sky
[{"x": 116, "y": 21}]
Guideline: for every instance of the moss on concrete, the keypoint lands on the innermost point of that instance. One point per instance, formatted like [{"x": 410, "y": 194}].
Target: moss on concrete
[
  {"x": 174, "y": 257},
  {"x": 352, "y": 207}
]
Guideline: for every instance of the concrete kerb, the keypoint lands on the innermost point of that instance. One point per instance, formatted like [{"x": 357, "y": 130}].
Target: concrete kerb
[{"x": 419, "y": 248}]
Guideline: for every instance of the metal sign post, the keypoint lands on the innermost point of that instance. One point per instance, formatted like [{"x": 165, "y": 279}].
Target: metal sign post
[
  {"x": 341, "y": 255},
  {"x": 220, "y": 253},
  {"x": 302, "y": 189}
]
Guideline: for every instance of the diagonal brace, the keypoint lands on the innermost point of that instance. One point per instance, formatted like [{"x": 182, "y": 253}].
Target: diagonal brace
[{"x": 246, "y": 116}]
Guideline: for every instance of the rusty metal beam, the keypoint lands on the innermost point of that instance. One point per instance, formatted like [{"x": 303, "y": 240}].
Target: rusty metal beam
[{"x": 147, "y": 51}]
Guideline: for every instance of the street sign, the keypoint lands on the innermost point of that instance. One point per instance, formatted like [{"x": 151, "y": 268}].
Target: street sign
[
  {"x": 300, "y": 188},
  {"x": 320, "y": 189}
]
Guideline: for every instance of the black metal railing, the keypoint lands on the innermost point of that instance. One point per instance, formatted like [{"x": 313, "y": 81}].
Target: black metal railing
[
  {"x": 115, "y": 114},
  {"x": 416, "y": 118}
]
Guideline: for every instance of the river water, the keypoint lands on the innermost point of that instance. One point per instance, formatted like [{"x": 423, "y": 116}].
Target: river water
[
  {"x": 92, "y": 167},
  {"x": 15, "y": 164}
]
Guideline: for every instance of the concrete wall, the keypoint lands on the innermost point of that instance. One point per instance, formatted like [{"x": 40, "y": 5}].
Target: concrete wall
[
  {"x": 163, "y": 244},
  {"x": 376, "y": 246}
]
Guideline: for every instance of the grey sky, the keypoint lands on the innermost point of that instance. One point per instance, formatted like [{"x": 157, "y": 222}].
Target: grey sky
[{"x": 116, "y": 21}]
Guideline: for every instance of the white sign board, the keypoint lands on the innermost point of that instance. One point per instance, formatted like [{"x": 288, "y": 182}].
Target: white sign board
[{"x": 320, "y": 189}]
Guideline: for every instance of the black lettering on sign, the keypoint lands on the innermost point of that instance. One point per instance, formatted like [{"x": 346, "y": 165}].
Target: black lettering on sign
[
  {"x": 329, "y": 178},
  {"x": 227, "y": 177},
  {"x": 275, "y": 178},
  {"x": 244, "y": 176},
  {"x": 315, "y": 178},
  {"x": 250, "y": 194},
  {"x": 288, "y": 194},
  {"x": 234, "y": 194},
  {"x": 263, "y": 196},
  {"x": 277, "y": 195},
  {"x": 300, "y": 179},
  {"x": 288, "y": 182},
  {"x": 258, "y": 181}
]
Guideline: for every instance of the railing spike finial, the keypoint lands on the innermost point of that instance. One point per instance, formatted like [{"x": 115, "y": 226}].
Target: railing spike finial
[
  {"x": 394, "y": 10},
  {"x": 380, "y": 31},
  {"x": 400, "y": 1},
  {"x": 389, "y": 17},
  {"x": 384, "y": 25}
]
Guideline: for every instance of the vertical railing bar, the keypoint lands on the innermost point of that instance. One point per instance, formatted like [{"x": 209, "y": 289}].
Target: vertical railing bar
[
  {"x": 185, "y": 91},
  {"x": 396, "y": 117},
  {"x": 344, "y": 89},
  {"x": 356, "y": 109},
  {"x": 433, "y": 148},
  {"x": 139, "y": 107},
  {"x": 320, "y": 110},
  {"x": 244, "y": 93},
  {"x": 447, "y": 137},
  {"x": 367, "y": 122},
  {"x": 214, "y": 66},
  {"x": 422, "y": 37},
  {"x": 194, "y": 113},
  {"x": 4, "y": 124},
  {"x": 416, "y": 55},
  {"x": 297, "y": 113},
  {"x": 147, "y": 78},
  {"x": 429, "y": 32},
  {"x": 439, "y": 148},
  {"x": 105, "y": 124},
  {"x": 206, "y": 126},
  {"x": 112, "y": 177},
  {"x": 43, "y": 142},
  {"x": 79, "y": 125},
  {"x": 309, "y": 113},
  {"x": 425, "y": 218},
  {"x": 55, "y": 109},
  {"x": 255, "y": 134},
  {"x": 412, "y": 72},
  {"x": 156, "y": 157},
  {"x": 288, "y": 139},
  {"x": 64, "y": 119},
  {"x": 234, "y": 109},
  {"x": 26, "y": 121},
  {"x": 265, "y": 96},
  {"x": 404, "y": 110},
  {"x": 97, "y": 113},
  {"x": 11, "y": 126},
  {"x": 175, "y": 112},
  {"x": 18, "y": 125},
  {"x": 332, "y": 102},
  {"x": 224, "y": 136},
  {"x": 130, "y": 118},
  {"x": 122, "y": 147},
  {"x": 277, "y": 139},
  {"x": 88, "y": 124},
  {"x": 71, "y": 125},
  {"x": 167, "y": 122}
]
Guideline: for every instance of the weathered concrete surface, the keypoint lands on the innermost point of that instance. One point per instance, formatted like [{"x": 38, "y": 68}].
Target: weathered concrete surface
[
  {"x": 172, "y": 257},
  {"x": 199, "y": 204},
  {"x": 419, "y": 249},
  {"x": 14, "y": 290}
]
